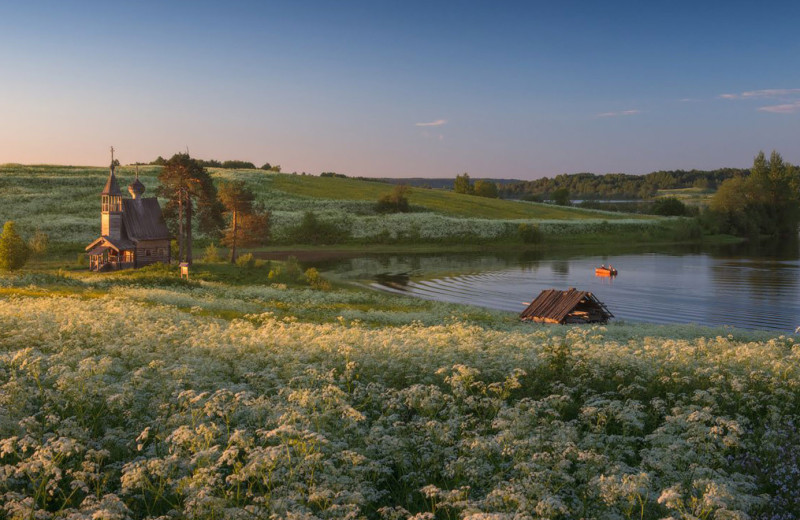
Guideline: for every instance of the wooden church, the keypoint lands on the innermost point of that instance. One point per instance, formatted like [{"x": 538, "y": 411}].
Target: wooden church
[{"x": 132, "y": 231}]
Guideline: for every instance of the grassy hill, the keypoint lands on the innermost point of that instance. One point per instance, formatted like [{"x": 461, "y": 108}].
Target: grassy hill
[
  {"x": 439, "y": 201},
  {"x": 64, "y": 202}
]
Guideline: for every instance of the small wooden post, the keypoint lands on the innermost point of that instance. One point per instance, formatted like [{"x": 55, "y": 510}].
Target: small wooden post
[{"x": 184, "y": 270}]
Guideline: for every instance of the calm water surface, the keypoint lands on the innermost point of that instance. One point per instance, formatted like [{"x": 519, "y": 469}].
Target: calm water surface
[{"x": 738, "y": 287}]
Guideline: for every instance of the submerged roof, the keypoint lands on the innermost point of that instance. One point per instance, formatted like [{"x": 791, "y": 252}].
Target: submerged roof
[
  {"x": 112, "y": 186},
  {"x": 143, "y": 220},
  {"x": 555, "y": 305}
]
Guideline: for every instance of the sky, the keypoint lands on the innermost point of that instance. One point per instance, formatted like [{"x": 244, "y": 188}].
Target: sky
[{"x": 388, "y": 88}]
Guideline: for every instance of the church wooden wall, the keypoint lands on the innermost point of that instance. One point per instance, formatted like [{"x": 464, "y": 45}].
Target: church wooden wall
[{"x": 152, "y": 251}]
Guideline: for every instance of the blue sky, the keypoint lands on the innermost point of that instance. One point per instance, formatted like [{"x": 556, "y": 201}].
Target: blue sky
[{"x": 380, "y": 88}]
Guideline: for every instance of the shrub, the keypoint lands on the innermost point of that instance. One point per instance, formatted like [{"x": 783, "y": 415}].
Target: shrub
[
  {"x": 316, "y": 281},
  {"x": 81, "y": 259},
  {"x": 289, "y": 272},
  {"x": 246, "y": 261},
  {"x": 561, "y": 197},
  {"x": 394, "y": 202},
  {"x": 39, "y": 242},
  {"x": 14, "y": 251},
  {"x": 211, "y": 255},
  {"x": 311, "y": 230},
  {"x": 669, "y": 207}
]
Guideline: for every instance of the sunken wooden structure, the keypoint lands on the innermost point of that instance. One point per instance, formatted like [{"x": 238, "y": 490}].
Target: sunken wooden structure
[
  {"x": 565, "y": 307},
  {"x": 132, "y": 231}
]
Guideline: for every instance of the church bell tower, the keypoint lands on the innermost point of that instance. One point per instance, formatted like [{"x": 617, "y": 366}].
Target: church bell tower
[{"x": 111, "y": 214}]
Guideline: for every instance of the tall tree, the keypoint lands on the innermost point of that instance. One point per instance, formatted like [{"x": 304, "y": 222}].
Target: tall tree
[
  {"x": 767, "y": 202},
  {"x": 484, "y": 188},
  {"x": 189, "y": 190},
  {"x": 249, "y": 224},
  {"x": 462, "y": 184}
]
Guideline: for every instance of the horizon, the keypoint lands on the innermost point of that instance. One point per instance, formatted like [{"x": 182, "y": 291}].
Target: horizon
[{"x": 520, "y": 91}]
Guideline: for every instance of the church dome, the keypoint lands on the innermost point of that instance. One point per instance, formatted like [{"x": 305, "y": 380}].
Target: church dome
[{"x": 136, "y": 188}]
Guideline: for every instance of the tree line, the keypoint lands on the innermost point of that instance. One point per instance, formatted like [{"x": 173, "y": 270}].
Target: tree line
[
  {"x": 232, "y": 164},
  {"x": 590, "y": 186}
]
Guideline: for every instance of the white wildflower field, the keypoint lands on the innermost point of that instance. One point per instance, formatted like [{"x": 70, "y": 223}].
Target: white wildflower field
[{"x": 209, "y": 401}]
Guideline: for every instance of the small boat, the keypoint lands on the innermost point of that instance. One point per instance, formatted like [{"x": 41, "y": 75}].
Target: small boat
[{"x": 605, "y": 271}]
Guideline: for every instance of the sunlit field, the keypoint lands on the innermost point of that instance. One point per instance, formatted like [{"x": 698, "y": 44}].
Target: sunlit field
[
  {"x": 141, "y": 396},
  {"x": 63, "y": 202}
]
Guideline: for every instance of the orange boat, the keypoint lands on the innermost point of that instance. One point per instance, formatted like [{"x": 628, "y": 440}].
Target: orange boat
[{"x": 605, "y": 271}]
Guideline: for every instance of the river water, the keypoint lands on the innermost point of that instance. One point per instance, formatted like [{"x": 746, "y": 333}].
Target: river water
[{"x": 747, "y": 287}]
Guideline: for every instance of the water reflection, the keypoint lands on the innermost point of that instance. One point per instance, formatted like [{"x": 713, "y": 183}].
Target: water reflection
[{"x": 745, "y": 286}]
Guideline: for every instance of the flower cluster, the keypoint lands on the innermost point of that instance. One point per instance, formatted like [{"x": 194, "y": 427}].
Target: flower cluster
[{"x": 163, "y": 403}]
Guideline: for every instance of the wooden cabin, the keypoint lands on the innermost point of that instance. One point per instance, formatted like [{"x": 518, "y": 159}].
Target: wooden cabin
[
  {"x": 566, "y": 307},
  {"x": 132, "y": 231}
]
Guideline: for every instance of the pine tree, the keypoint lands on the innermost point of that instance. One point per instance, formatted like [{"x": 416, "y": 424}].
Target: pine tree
[
  {"x": 189, "y": 190},
  {"x": 14, "y": 251},
  {"x": 249, "y": 224}
]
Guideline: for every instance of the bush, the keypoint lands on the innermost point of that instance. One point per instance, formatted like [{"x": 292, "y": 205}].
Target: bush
[
  {"x": 289, "y": 272},
  {"x": 561, "y": 197},
  {"x": 314, "y": 231},
  {"x": 246, "y": 261},
  {"x": 669, "y": 207},
  {"x": 316, "y": 281},
  {"x": 211, "y": 255},
  {"x": 394, "y": 202},
  {"x": 39, "y": 242},
  {"x": 14, "y": 252},
  {"x": 81, "y": 260}
]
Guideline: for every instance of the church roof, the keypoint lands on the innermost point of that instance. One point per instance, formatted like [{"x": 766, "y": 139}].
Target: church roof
[
  {"x": 136, "y": 188},
  {"x": 143, "y": 220},
  {"x": 112, "y": 186},
  {"x": 117, "y": 244}
]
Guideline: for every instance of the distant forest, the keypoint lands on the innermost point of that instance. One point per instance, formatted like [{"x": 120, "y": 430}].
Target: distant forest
[
  {"x": 233, "y": 164},
  {"x": 589, "y": 186}
]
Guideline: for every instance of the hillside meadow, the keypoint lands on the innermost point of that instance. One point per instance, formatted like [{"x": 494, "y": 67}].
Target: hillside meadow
[
  {"x": 138, "y": 395},
  {"x": 64, "y": 202}
]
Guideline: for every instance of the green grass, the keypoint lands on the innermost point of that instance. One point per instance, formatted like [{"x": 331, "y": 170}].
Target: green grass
[
  {"x": 64, "y": 202},
  {"x": 694, "y": 196},
  {"x": 440, "y": 201}
]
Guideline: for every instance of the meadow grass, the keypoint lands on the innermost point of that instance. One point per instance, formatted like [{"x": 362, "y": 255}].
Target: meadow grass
[
  {"x": 138, "y": 395},
  {"x": 63, "y": 201}
]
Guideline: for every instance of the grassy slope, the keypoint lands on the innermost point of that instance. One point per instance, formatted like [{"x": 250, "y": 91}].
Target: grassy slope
[
  {"x": 63, "y": 201},
  {"x": 440, "y": 201},
  {"x": 693, "y": 196}
]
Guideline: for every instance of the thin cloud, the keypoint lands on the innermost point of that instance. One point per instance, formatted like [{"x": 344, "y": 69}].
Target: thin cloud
[
  {"x": 764, "y": 94},
  {"x": 790, "y": 98},
  {"x": 621, "y": 113},
  {"x": 786, "y": 108},
  {"x": 438, "y": 122}
]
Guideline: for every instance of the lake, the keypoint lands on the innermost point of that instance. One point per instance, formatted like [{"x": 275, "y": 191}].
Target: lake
[{"x": 742, "y": 286}]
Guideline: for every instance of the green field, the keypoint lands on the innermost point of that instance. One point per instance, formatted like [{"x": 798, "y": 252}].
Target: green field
[
  {"x": 63, "y": 201},
  {"x": 692, "y": 196},
  {"x": 440, "y": 201}
]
